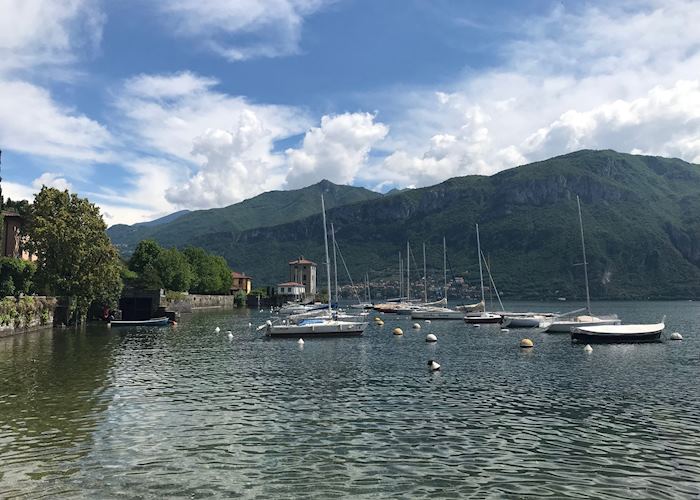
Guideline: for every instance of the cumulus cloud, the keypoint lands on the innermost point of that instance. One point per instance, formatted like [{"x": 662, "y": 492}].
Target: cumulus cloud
[
  {"x": 50, "y": 179},
  {"x": 238, "y": 164},
  {"x": 243, "y": 29},
  {"x": 166, "y": 113},
  {"x": 336, "y": 150},
  {"x": 621, "y": 76}
]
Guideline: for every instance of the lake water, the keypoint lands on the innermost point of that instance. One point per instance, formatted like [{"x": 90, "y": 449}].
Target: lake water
[{"x": 184, "y": 412}]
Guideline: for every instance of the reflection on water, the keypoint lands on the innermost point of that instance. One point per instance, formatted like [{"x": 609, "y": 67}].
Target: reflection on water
[{"x": 186, "y": 412}]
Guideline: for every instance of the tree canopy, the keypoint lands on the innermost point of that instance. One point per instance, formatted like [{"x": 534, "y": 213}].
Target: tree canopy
[
  {"x": 75, "y": 258},
  {"x": 192, "y": 269}
]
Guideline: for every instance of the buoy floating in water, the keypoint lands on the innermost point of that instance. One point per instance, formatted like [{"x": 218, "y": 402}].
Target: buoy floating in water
[
  {"x": 526, "y": 343},
  {"x": 379, "y": 323},
  {"x": 397, "y": 331},
  {"x": 505, "y": 330},
  {"x": 676, "y": 336},
  {"x": 476, "y": 325},
  {"x": 300, "y": 341},
  {"x": 217, "y": 329},
  {"x": 431, "y": 338},
  {"x": 427, "y": 321},
  {"x": 377, "y": 319},
  {"x": 588, "y": 348},
  {"x": 416, "y": 326},
  {"x": 230, "y": 336},
  {"x": 250, "y": 324},
  {"x": 434, "y": 366}
]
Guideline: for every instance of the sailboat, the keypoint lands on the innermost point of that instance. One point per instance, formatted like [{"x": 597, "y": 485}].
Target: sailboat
[
  {"x": 482, "y": 317},
  {"x": 329, "y": 325},
  {"x": 587, "y": 320},
  {"x": 439, "y": 310}
]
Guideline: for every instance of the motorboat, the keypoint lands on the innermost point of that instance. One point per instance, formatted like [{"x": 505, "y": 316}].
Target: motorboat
[
  {"x": 618, "y": 334},
  {"x": 483, "y": 318},
  {"x": 523, "y": 320}
]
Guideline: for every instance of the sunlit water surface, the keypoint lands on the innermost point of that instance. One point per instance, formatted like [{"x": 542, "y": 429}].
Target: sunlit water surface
[{"x": 184, "y": 412}]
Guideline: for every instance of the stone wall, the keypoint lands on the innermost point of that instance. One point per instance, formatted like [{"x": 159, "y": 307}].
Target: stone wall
[
  {"x": 25, "y": 314},
  {"x": 193, "y": 302}
]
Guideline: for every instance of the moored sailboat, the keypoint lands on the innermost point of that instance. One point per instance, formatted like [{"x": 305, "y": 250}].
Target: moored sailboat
[{"x": 326, "y": 326}]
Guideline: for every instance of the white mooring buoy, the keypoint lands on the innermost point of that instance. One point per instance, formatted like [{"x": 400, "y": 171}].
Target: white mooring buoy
[
  {"x": 230, "y": 336},
  {"x": 427, "y": 321},
  {"x": 430, "y": 338},
  {"x": 505, "y": 330},
  {"x": 526, "y": 343},
  {"x": 676, "y": 336},
  {"x": 588, "y": 348},
  {"x": 434, "y": 366},
  {"x": 300, "y": 341},
  {"x": 217, "y": 329},
  {"x": 416, "y": 326},
  {"x": 397, "y": 331}
]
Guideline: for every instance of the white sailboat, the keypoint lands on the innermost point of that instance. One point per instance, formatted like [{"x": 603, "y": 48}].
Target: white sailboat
[
  {"x": 483, "y": 317},
  {"x": 587, "y": 320},
  {"x": 329, "y": 325},
  {"x": 431, "y": 311}
]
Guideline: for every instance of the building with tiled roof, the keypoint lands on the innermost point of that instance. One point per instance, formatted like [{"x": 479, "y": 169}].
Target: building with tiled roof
[{"x": 303, "y": 271}]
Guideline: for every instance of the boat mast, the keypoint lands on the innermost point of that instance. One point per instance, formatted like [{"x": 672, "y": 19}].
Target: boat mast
[
  {"x": 408, "y": 272},
  {"x": 425, "y": 278},
  {"x": 481, "y": 272},
  {"x": 369, "y": 293},
  {"x": 328, "y": 260},
  {"x": 583, "y": 248},
  {"x": 444, "y": 265},
  {"x": 335, "y": 264},
  {"x": 400, "y": 278}
]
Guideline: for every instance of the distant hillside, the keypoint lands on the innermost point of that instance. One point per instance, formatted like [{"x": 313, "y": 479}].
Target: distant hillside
[
  {"x": 641, "y": 217},
  {"x": 265, "y": 210}
]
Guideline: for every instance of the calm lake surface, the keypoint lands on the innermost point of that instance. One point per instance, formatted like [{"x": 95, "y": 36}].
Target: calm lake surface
[{"x": 184, "y": 412}]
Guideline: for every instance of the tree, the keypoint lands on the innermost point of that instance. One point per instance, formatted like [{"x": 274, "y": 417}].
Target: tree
[
  {"x": 174, "y": 270},
  {"x": 146, "y": 254},
  {"x": 75, "y": 257},
  {"x": 15, "y": 276},
  {"x": 211, "y": 273}
]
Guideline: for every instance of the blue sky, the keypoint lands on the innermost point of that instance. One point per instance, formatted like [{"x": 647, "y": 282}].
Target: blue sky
[{"x": 147, "y": 107}]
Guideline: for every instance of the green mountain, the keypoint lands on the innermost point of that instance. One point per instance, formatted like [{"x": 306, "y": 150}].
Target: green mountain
[
  {"x": 641, "y": 217},
  {"x": 220, "y": 224}
]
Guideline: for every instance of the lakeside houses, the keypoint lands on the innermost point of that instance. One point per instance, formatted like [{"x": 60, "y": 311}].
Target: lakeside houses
[
  {"x": 303, "y": 271},
  {"x": 240, "y": 282}
]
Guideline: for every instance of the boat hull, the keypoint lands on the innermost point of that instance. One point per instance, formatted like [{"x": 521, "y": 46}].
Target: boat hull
[
  {"x": 445, "y": 315},
  {"x": 335, "y": 330},
  {"x": 146, "y": 322},
  {"x": 583, "y": 337},
  {"x": 522, "y": 322},
  {"x": 566, "y": 326},
  {"x": 483, "y": 320}
]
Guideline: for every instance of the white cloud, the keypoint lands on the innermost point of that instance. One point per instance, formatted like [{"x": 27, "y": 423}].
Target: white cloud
[
  {"x": 623, "y": 76},
  {"x": 336, "y": 150},
  {"x": 50, "y": 179},
  {"x": 31, "y": 121},
  {"x": 243, "y": 29},
  {"x": 238, "y": 164},
  {"x": 165, "y": 113},
  {"x": 39, "y": 33}
]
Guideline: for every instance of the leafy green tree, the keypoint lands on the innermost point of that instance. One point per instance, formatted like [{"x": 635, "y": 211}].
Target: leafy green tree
[
  {"x": 75, "y": 257},
  {"x": 211, "y": 274},
  {"x": 146, "y": 254},
  {"x": 15, "y": 276},
  {"x": 174, "y": 270}
]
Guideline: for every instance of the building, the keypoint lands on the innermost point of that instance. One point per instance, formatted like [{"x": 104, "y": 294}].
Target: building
[
  {"x": 303, "y": 271},
  {"x": 241, "y": 283},
  {"x": 292, "y": 289},
  {"x": 11, "y": 237}
]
